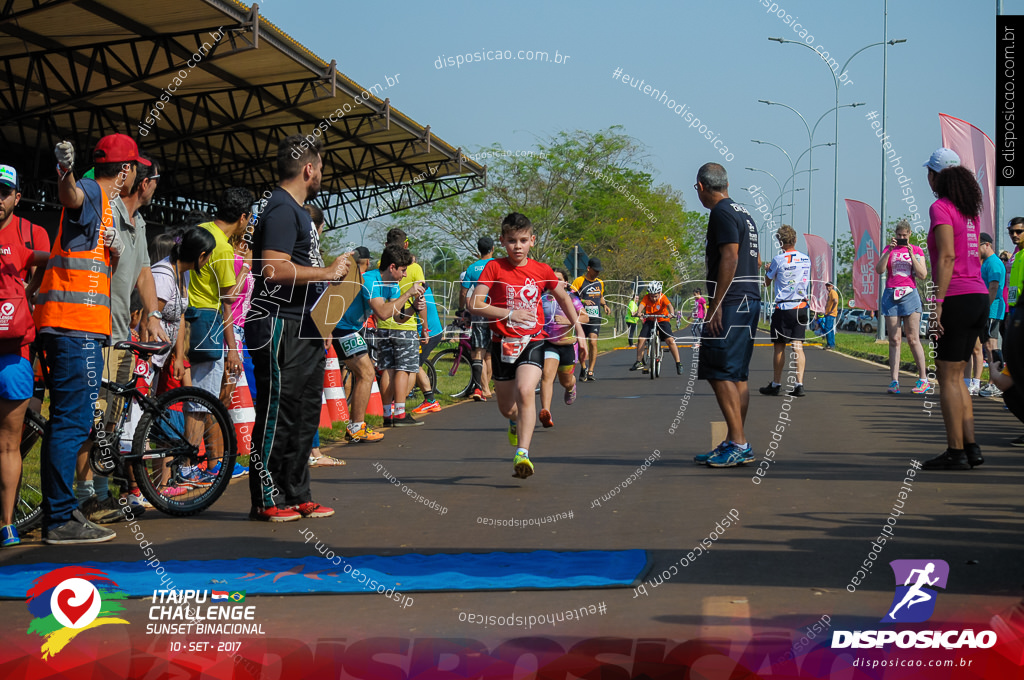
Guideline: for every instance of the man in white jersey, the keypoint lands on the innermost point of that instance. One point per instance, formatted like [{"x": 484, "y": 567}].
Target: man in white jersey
[{"x": 790, "y": 272}]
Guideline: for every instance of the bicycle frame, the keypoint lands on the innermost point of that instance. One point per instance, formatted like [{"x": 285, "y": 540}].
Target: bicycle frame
[{"x": 107, "y": 440}]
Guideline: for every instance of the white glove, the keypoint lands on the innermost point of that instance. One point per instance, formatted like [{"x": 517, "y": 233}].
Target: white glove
[
  {"x": 111, "y": 239},
  {"x": 65, "y": 153}
]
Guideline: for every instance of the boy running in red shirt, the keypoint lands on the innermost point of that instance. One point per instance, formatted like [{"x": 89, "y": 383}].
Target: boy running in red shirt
[{"x": 508, "y": 293}]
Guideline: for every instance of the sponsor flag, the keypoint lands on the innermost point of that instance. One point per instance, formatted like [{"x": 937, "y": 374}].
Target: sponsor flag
[
  {"x": 867, "y": 230},
  {"x": 237, "y": 596},
  {"x": 978, "y": 154},
  {"x": 218, "y": 595},
  {"x": 821, "y": 271}
]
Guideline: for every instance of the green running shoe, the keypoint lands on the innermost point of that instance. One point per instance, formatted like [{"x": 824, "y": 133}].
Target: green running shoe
[{"x": 522, "y": 465}]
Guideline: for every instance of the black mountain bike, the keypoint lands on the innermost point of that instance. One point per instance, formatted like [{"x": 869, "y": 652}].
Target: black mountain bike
[{"x": 182, "y": 427}]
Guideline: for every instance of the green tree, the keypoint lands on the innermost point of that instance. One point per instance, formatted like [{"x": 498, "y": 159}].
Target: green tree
[{"x": 590, "y": 188}]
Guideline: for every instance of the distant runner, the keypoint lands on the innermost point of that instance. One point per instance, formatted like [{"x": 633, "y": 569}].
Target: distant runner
[
  {"x": 480, "y": 330},
  {"x": 591, "y": 292},
  {"x": 562, "y": 352}
]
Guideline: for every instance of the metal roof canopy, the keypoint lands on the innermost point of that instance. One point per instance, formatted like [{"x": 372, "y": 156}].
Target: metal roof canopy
[{"x": 80, "y": 69}]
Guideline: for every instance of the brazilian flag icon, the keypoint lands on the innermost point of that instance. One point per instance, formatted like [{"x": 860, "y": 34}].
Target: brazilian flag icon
[{"x": 237, "y": 596}]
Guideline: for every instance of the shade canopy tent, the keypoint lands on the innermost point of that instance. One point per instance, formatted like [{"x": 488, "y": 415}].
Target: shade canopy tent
[{"x": 80, "y": 69}]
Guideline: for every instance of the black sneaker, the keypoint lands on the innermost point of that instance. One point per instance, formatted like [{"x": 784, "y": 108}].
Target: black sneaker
[
  {"x": 973, "y": 452},
  {"x": 406, "y": 421},
  {"x": 590, "y": 377},
  {"x": 388, "y": 422},
  {"x": 637, "y": 366},
  {"x": 950, "y": 459},
  {"x": 771, "y": 390},
  {"x": 1019, "y": 441},
  {"x": 679, "y": 368},
  {"x": 106, "y": 511},
  {"x": 797, "y": 391},
  {"x": 583, "y": 374},
  {"x": 77, "y": 530}
]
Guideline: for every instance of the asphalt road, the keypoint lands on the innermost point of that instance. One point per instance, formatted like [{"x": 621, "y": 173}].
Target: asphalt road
[{"x": 803, "y": 532}]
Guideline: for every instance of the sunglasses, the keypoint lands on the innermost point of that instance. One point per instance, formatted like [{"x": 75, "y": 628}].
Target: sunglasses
[
  {"x": 695, "y": 186},
  {"x": 1016, "y": 232}
]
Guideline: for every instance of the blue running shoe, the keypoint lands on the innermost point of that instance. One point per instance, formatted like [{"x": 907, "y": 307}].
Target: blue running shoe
[
  {"x": 9, "y": 536},
  {"x": 239, "y": 471},
  {"x": 195, "y": 477},
  {"x": 702, "y": 458},
  {"x": 730, "y": 456},
  {"x": 748, "y": 454}
]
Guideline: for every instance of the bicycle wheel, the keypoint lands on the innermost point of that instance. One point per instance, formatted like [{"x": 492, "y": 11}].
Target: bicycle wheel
[
  {"x": 28, "y": 505},
  {"x": 453, "y": 373},
  {"x": 161, "y": 441},
  {"x": 657, "y": 361}
]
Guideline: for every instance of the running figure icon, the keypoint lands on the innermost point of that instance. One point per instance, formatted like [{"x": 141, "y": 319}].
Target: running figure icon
[{"x": 915, "y": 595}]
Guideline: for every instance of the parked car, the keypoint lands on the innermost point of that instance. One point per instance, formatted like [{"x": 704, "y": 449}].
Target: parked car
[{"x": 859, "y": 320}]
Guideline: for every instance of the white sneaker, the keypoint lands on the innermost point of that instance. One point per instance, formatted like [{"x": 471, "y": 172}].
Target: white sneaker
[
  {"x": 974, "y": 390},
  {"x": 990, "y": 390},
  {"x": 137, "y": 500}
]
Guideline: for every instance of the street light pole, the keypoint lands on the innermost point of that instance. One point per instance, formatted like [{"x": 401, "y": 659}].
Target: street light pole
[
  {"x": 810, "y": 142},
  {"x": 835, "y": 81},
  {"x": 792, "y": 170}
]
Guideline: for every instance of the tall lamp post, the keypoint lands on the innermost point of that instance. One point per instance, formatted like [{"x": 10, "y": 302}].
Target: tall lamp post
[
  {"x": 835, "y": 80},
  {"x": 810, "y": 141}
]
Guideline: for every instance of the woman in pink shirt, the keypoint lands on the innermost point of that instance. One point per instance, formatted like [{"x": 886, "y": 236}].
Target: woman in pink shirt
[
  {"x": 960, "y": 301},
  {"x": 903, "y": 263}
]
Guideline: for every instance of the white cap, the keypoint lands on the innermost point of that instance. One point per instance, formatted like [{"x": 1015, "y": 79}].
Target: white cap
[{"x": 942, "y": 158}]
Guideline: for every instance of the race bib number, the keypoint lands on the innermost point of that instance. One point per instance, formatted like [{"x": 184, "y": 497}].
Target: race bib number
[
  {"x": 511, "y": 348},
  {"x": 1013, "y": 296},
  {"x": 592, "y": 311},
  {"x": 353, "y": 344},
  {"x": 900, "y": 292}
]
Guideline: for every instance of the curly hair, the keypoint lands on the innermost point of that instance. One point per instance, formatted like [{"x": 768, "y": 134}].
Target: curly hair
[
  {"x": 961, "y": 188},
  {"x": 786, "y": 235}
]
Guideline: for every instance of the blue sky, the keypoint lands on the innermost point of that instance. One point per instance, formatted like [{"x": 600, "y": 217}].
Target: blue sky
[{"x": 714, "y": 57}]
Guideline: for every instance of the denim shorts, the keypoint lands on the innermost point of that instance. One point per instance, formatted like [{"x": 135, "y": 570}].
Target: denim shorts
[
  {"x": 728, "y": 357},
  {"x": 905, "y": 306}
]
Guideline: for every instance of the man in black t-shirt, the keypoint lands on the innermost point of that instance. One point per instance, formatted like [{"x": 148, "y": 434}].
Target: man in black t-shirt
[
  {"x": 287, "y": 350},
  {"x": 734, "y": 284}
]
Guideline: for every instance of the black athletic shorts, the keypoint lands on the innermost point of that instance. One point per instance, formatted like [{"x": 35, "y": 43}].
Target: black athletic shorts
[
  {"x": 532, "y": 354},
  {"x": 592, "y": 328},
  {"x": 664, "y": 330},
  {"x": 786, "y": 325},
  {"x": 964, "y": 318},
  {"x": 567, "y": 355},
  {"x": 480, "y": 333},
  {"x": 426, "y": 349},
  {"x": 992, "y": 329}
]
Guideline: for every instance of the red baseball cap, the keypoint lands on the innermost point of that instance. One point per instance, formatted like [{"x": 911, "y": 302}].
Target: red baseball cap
[{"x": 117, "y": 148}]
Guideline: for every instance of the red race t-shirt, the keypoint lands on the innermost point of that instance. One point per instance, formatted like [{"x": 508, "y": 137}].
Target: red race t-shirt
[
  {"x": 15, "y": 259},
  {"x": 514, "y": 288}
]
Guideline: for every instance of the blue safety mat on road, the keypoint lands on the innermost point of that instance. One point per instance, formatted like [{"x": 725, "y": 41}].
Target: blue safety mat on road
[{"x": 539, "y": 570}]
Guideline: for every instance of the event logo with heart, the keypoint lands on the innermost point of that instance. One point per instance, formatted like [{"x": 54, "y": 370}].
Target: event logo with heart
[{"x": 70, "y": 600}]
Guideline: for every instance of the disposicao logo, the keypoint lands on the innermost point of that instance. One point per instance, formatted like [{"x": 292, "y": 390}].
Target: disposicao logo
[
  {"x": 69, "y": 600},
  {"x": 914, "y": 602}
]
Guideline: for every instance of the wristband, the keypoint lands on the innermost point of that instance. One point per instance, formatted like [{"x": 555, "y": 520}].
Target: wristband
[{"x": 939, "y": 300}]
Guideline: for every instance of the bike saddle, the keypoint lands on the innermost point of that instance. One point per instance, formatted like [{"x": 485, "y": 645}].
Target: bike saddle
[{"x": 144, "y": 349}]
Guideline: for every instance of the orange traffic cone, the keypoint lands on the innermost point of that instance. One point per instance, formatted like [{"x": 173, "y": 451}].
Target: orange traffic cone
[
  {"x": 375, "y": 407},
  {"x": 243, "y": 414},
  {"x": 325, "y": 414},
  {"x": 334, "y": 392}
]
